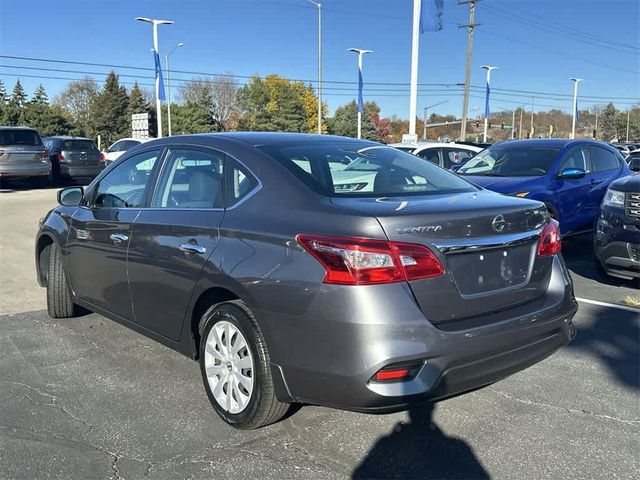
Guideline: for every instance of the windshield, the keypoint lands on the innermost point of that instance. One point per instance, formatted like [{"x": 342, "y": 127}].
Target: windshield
[
  {"x": 371, "y": 170},
  {"x": 511, "y": 161}
]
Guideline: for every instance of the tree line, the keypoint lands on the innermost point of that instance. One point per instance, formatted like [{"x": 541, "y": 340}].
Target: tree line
[{"x": 272, "y": 103}]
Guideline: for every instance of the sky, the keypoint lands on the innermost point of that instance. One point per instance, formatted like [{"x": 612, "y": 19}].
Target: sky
[{"x": 537, "y": 46}]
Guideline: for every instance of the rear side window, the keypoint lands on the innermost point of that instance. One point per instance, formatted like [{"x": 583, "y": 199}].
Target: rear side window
[
  {"x": 372, "y": 170},
  {"x": 20, "y": 137},
  {"x": 453, "y": 156},
  {"x": 240, "y": 183},
  {"x": 430, "y": 154},
  {"x": 81, "y": 145},
  {"x": 603, "y": 159},
  {"x": 191, "y": 179}
]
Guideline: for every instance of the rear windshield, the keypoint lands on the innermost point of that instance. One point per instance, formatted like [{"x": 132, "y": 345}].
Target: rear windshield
[
  {"x": 20, "y": 137},
  {"x": 82, "y": 145},
  {"x": 511, "y": 160},
  {"x": 354, "y": 168}
]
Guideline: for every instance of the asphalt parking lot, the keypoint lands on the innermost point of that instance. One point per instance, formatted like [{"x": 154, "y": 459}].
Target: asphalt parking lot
[{"x": 88, "y": 398}]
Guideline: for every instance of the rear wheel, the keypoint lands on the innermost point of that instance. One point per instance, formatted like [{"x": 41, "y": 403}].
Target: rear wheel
[
  {"x": 59, "y": 300},
  {"x": 235, "y": 367}
]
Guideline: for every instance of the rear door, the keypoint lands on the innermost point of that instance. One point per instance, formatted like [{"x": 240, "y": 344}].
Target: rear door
[
  {"x": 21, "y": 148},
  {"x": 80, "y": 152},
  {"x": 172, "y": 239},
  {"x": 100, "y": 234}
]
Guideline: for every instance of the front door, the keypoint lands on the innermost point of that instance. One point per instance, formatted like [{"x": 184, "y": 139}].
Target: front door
[
  {"x": 573, "y": 193},
  {"x": 172, "y": 240},
  {"x": 100, "y": 234}
]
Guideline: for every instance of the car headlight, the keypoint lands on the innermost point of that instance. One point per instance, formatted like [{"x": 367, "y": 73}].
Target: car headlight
[{"x": 614, "y": 198}]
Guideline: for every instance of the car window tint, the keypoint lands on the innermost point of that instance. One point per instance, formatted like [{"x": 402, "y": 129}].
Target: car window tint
[
  {"x": 511, "y": 160},
  {"x": 191, "y": 179},
  {"x": 20, "y": 137},
  {"x": 374, "y": 170},
  {"x": 124, "y": 186},
  {"x": 603, "y": 159},
  {"x": 241, "y": 183},
  {"x": 430, "y": 154},
  {"x": 115, "y": 147},
  {"x": 83, "y": 145},
  {"x": 48, "y": 143}
]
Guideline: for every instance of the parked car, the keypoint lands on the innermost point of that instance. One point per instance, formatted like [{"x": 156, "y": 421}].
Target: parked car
[
  {"x": 119, "y": 147},
  {"x": 569, "y": 176},
  {"x": 23, "y": 156},
  {"x": 236, "y": 249},
  {"x": 73, "y": 158},
  {"x": 447, "y": 155},
  {"x": 617, "y": 235},
  {"x": 634, "y": 161}
]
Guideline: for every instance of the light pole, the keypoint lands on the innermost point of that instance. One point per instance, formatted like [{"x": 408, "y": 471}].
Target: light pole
[
  {"x": 360, "y": 52},
  {"x": 575, "y": 105},
  {"x": 166, "y": 59},
  {"x": 319, "y": 5},
  {"x": 487, "y": 112},
  {"x": 424, "y": 121},
  {"x": 159, "y": 94}
]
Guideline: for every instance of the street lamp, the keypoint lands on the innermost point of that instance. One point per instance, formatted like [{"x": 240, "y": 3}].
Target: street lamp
[
  {"x": 166, "y": 59},
  {"x": 424, "y": 121},
  {"x": 319, "y": 5},
  {"x": 159, "y": 94},
  {"x": 487, "y": 111},
  {"x": 575, "y": 105},
  {"x": 360, "y": 52}
]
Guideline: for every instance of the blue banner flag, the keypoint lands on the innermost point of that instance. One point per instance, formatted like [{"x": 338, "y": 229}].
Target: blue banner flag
[
  {"x": 159, "y": 82},
  {"x": 577, "y": 112},
  {"x": 360, "y": 102},
  {"x": 431, "y": 15},
  {"x": 487, "y": 112}
]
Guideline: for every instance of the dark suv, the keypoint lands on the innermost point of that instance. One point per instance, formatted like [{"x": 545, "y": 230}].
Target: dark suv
[
  {"x": 73, "y": 158},
  {"x": 292, "y": 281}
]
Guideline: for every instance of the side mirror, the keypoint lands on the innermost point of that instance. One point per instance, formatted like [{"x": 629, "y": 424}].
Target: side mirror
[
  {"x": 572, "y": 173},
  {"x": 70, "y": 196}
]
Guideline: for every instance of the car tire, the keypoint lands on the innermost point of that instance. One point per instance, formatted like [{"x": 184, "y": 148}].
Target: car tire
[
  {"x": 59, "y": 300},
  {"x": 231, "y": 326}
]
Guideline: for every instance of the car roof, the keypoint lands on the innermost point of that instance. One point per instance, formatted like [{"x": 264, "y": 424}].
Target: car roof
[
  {"x": 551, "y": 142},
  {"x": 256, "y": 139},
  {"x": 423, "y": 145}
]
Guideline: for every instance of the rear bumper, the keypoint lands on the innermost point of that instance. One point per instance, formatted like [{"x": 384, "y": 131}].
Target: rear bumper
[
  {"x": 38, "y": 169},
  {"x": 455, "y": 358},
  {"x": 72, "y": 171}
]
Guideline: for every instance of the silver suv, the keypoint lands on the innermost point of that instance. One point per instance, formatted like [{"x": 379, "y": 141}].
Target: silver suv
[{"x": 23, "y": 155}]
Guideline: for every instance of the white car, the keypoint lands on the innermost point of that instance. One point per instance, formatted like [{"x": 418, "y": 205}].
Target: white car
[
  {"x": 447, "y": 155},
  {"x": 121, "y": 146}
]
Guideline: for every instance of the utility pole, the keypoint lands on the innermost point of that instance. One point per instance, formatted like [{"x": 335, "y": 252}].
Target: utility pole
[
  {"x": 520, "y": 126},
  {"x": 360, "y": 52},
  {"x": 467, "y": 76},
  {"x": 513, "y": 125},
  {"x": 319, "y": 6}
]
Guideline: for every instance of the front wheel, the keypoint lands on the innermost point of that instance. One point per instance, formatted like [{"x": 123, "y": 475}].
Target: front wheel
[
  {"x": 235, "y": 367},
  {"x": 59, "y": 300}
]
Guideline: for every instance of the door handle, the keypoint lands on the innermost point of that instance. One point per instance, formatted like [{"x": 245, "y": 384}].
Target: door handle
[
  {"x": 118, "y": 238},
  {"x": 192, "y": 248}
]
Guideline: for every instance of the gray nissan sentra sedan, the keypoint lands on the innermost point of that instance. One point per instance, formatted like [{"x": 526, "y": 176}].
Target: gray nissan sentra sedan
[{"x": 291, "y": 281}]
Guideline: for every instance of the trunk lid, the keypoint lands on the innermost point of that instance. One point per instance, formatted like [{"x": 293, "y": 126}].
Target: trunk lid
[
  {"x": 486, "y": 242},
  {"x": 80, "y": 153}
]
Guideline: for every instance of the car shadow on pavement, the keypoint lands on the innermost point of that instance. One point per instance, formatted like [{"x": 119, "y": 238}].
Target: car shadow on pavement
[
  {"x": 614, "y": 340},
  {"x": 419, "y": 449}
]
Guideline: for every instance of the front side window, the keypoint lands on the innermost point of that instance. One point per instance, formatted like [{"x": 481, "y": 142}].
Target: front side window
[
  {"x": 453, "y": 156},
  {"x": 125, "y": 185},
  {"x": 430, "y": 154},
  {"x": 511, "y": 160},
  {"x": 191, "y": 179},
  {"x": 578, "y": 157},
  {"x": 373, "y": 170},
  {"x": 603, "y": 160}
]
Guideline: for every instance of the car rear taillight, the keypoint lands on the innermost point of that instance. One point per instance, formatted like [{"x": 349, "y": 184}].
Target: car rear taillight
[
  {"x": 366, "y": 261},
  {"x": 43, "y": 154},
  {"x": 102, "y": 157},
  {"x": 550, "y": 243},
  {"x": 61, "y": 158}
]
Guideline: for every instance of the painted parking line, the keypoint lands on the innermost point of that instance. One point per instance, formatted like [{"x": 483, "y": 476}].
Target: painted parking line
[{"x": 610, "y": 305}]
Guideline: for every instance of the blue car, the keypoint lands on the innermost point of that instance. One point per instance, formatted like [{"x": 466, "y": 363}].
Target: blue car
[{"x": 569, "y": 176}]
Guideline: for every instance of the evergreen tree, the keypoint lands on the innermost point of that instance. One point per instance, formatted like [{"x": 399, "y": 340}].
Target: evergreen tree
[
  {"x": 14, "y": 114},
  {"x": 345, "y": 121},
  {"x": 109, "y": 112},
  {"x": 40, "y": 96},
  {"x": 608, "y": 123}
]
